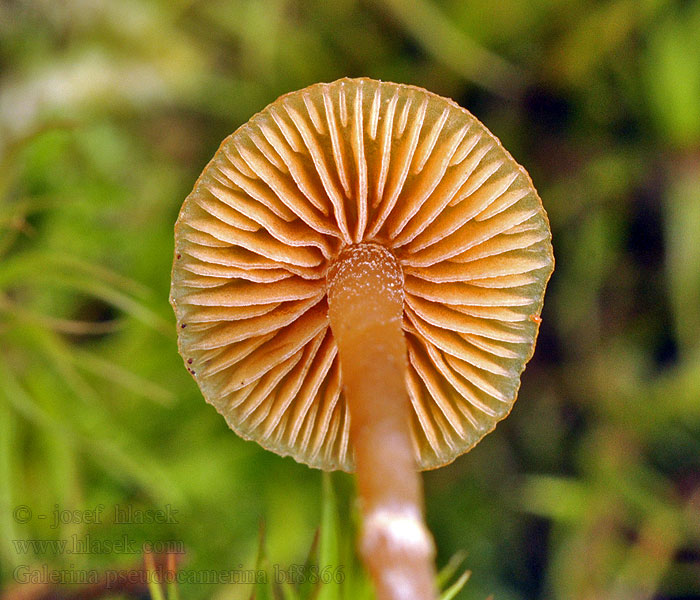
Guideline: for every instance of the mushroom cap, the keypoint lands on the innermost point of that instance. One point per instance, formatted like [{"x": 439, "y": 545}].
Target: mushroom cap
[{"x": 336, "y": 164}]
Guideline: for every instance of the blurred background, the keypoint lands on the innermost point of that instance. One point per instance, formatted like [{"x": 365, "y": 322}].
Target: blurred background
[{"x": 110, "y": 109}]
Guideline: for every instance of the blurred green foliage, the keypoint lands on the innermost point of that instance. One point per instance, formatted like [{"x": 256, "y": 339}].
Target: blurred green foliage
[{"x": 108, "y": 112}]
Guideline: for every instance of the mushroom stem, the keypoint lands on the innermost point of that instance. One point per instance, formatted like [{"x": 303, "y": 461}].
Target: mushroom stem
[{"x": 365, "y": 297}]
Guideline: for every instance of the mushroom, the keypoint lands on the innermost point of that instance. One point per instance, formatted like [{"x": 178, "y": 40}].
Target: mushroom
[{"x": 358, "y": 278}]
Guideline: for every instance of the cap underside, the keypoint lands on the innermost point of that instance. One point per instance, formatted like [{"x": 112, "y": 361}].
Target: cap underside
[{"x": 333, "y": 165}]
